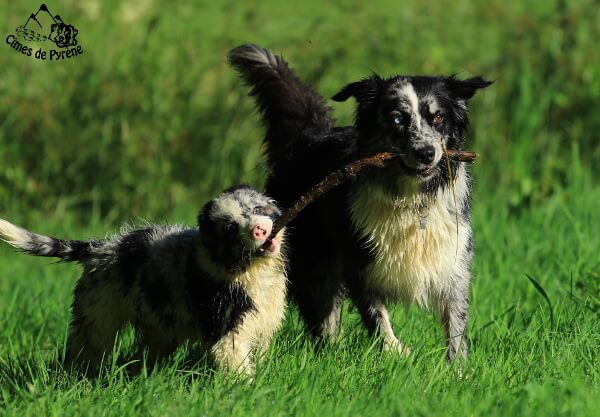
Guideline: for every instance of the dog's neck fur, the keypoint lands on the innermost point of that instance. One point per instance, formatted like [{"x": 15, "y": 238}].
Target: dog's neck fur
[
  {"x": 250, "y": 275},
  {"x": 391, "y": 187},
  {"x": 409, "y": 262}
]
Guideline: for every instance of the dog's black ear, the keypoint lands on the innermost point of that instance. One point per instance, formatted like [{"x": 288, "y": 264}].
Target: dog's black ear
[
  {"x": 363, "y": 90},
  {"x": 203, "y": 218},
  {"x": 465, "y": 89},
  {"x": 237, "y": 187}
]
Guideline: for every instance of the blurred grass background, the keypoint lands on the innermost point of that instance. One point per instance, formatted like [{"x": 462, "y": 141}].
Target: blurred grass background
[{"x": 151, "y": 122}]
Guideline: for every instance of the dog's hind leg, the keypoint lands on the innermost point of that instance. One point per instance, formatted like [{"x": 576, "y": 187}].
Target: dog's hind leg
[
  {"x": 154, "y": 340},
  {"x": 330, "y": 327},
  {"x": 319, "y": 296},
  {"x": 321, "y": 311},
  {"x": 98, "y": 314}
]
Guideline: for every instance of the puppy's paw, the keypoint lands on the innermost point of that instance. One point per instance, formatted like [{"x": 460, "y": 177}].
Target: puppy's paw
[{"x": 396, "y": 346}]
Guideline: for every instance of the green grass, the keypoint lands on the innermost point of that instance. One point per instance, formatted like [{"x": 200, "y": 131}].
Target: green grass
[
  {"x": 526, "y": 359},
  {"x": 150, "y": 122}
]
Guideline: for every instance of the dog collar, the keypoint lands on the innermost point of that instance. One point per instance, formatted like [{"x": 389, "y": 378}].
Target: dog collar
[{"x": 423, "y": 214}]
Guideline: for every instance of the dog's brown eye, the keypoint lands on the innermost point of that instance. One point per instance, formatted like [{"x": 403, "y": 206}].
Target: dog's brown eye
[{"x": 437, "y": 119}]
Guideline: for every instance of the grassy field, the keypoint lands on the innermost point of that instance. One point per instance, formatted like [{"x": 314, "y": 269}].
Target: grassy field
[{"x": 150, "y": 122}]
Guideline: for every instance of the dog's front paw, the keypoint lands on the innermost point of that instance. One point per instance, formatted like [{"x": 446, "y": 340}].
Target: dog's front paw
[{"x": 396, "y": 346}]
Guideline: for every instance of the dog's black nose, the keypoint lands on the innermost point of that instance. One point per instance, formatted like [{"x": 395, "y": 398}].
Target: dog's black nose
[{"x": 426, "y": 154}]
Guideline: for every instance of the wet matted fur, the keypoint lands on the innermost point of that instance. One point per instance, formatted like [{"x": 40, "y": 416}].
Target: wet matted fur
[
  {"x": 399, "y": 233},
  {"x": 215, "y": 284}
]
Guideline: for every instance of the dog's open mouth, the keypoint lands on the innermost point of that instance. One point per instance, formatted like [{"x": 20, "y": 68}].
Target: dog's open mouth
[
  {"x": 414, "y": 171},
  {"x": 269, "y": 248}
]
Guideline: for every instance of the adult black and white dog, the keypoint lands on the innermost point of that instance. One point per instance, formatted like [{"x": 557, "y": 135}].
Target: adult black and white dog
[
  {"x": 399, "y": 233},
  {"x": 221, "y": 284}
]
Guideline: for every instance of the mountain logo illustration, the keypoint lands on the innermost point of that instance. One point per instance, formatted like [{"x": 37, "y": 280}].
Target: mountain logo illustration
[{"x": 42, "y": 26}]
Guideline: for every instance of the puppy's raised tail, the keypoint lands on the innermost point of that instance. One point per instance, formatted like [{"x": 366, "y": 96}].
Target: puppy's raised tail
[
  {"x": 39, "y": 245},
  {"x": 290, "y": 109}
]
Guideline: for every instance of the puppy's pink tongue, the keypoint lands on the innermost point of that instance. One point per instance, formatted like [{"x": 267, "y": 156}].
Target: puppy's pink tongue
[{"x": 270, "y": 245}]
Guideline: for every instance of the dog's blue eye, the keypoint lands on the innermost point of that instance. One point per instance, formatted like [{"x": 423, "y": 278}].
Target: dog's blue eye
[{"x": 397, "y": 120}]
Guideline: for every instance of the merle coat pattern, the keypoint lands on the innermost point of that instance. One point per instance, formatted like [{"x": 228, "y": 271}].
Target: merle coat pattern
[
  {"x": 399, "y": 233},
  {"x": 216, "y": 284}
]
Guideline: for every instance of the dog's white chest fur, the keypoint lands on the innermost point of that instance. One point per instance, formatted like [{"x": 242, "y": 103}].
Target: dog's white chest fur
[
  {"x": 265, "y": 284},
  {"x": 412, "y": 263}
]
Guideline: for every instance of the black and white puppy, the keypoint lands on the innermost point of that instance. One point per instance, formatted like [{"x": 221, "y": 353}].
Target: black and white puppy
[
  {"x": 222, "y": 284},
  {"x": 399, "y": 233}
]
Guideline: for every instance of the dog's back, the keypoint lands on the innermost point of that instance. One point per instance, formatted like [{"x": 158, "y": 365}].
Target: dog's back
[{"x": 135, "y": 249}]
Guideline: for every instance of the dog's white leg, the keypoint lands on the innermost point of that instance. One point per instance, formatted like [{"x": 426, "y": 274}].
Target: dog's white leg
[
  {"x": 384, "y": 325},
  {"x": 330, "y": 327},
  {"x": 376, "y": 319},
  {"x": 232, "y": 353},
  {"x": 453, "y": 315}
]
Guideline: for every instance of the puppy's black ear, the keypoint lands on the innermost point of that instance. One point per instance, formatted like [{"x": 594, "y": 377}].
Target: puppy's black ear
[
  {"x": 465, "y": 89},
  {"x": 237, "y": 187},
  {"x": 203, "y": 218},
  {"x": 364, "y": 90}
]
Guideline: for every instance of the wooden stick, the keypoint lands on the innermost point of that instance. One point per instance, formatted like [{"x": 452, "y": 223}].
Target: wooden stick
[
  {"x": 462, "y": 156},
  {"x": 342, "y": 175}
]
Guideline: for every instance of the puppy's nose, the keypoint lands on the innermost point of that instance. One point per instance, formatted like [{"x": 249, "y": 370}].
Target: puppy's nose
[
  {"x": 260, "y": 231},
  {"x": 426, "y": 154}
]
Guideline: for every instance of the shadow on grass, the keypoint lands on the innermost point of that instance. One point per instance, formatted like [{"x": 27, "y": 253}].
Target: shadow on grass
[{"x": 30, "y": 374}]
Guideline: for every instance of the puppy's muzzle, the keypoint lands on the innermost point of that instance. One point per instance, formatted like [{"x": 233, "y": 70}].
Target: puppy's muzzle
[{"x": 260, "y": 231}]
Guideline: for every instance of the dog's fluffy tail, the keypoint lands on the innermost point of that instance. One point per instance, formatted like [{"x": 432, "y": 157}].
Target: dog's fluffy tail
[
  {"x": 39, "y": 245},
  {"x": 291, "y": 110}
]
